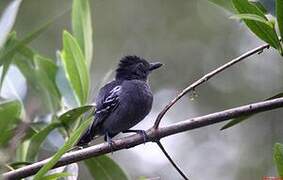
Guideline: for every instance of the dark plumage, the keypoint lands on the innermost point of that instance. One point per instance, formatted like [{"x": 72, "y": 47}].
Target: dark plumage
[{"x": 124, "y": 102}]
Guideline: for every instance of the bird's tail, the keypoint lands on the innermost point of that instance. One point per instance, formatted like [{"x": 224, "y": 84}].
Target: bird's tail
[
  {"x": 87, "y": 135},
  {"x": 84, "y": 139}
]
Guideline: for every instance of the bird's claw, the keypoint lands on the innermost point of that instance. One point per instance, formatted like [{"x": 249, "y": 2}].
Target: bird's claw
[
  {"x": 143, "y": 134},
  {"x": 110, "y": 142},
  {"x": 140, "y": 132}
]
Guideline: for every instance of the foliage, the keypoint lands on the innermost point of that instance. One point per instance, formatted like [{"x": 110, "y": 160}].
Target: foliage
[
  {"x": 9, "y": 110},
  {"x": 105, "y": 168},
  {"x": 253, "y": 13},
  {"x": 59, "y": 83},
  {"x": 278, "y": 158},
  {"x": 82, "y": 28},
  {"x": 246, "y": 116}
]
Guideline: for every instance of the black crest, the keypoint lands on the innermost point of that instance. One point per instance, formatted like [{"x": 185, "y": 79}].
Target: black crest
[{"x": 132, "y": 67}]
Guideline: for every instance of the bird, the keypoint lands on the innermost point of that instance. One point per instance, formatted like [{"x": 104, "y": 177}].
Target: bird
[{"x": 123, "y": 102}]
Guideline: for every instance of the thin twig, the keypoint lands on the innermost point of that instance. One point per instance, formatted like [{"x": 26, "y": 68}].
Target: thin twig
[
  {"x": 152, "y": 134},
  {"x": 171, "y": 160},
  {"x": 206, "y": 78}
]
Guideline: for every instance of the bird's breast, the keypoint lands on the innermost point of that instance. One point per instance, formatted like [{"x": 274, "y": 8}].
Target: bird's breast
[
  {"x": 139, "y": 96},
  {"x": 135, "y": 103}
]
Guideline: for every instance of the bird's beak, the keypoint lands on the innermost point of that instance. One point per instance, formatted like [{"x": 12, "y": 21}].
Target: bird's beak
[{"x": 154, "y": 66}]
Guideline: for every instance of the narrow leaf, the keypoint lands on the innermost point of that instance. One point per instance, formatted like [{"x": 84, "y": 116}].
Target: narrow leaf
[
  {"x": 6, "y": 64},
  {"x": 13, "y": 46},
  {"x": 64, "y": 86},
  {"x": 261, "y": 30},
  {"x": 37, "y": 139},
  {"x": 7, "y": 20},
  {"x": 10, "y": 112},
  {"x": 82, "y": 28},
  {"x": 226, "y": 4},
  {"x": 75, "y": 67},
  {"x": 40, "y": 73},
  {"x": 102, "y": 167},
  {"x": 235, "y": 121},
  {"x": 244, "y": 117},
  {"x": 72, "y": 115},
  {"x": 259, "y": 6},
  {"x": 252, "y": 17},
  {"x": 10, "y": 52},
  {"x": 279, "y": 13},
  {"x": 45, "y": 72},
  {"x": 68, "y": 145},
  {"x": 278, "y": 158}
]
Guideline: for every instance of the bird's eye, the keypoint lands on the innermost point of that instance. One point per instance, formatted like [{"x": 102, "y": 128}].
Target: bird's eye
[{"x": 141, "y": 67}]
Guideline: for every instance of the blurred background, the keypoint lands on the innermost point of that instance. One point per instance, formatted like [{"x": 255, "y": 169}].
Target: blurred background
[{"x": 191, "y": 38}]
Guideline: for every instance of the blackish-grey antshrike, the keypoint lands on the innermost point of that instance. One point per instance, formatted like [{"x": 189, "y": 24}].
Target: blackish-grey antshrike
[{"x": 124, "y": 102}]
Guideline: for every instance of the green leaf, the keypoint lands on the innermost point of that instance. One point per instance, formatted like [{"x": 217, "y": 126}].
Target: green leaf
[
  {"x": 10, "y": 52},
  {"x": 72, "y": 115},
  {"x": 279, "y": 13},
  {"x": 7, "y": 20},
  {"x": 67, "y": 146},
  {"x": 259, "y": 6},
  {"x": 45, "y": 72},
  {"x": 261, "y": 30},
  {"x": 82, "y": 29},
  {"x": 13, "y": 46},
  {"x": 23, "y": 147},
  {"x": 26, "y": 66},
  {"x": 244, "y": 117},
  {"x": 56, "y": 176},
  {"x": 226, "y": 4},
  {"x": 63, "y": 84},
  {"x": 6, "y": 64},
  {"x": 40, "y": 73},
  {"x": 252, "y": 17},
  {"x": 10, "y": 113},
  {"x": 278, "y": 158},
  {"x": 37, "y": 139},
  {"x": 75, "y": 67},
  {"x": 102, "y": 167},
  {"x": 235, "y": 121}
]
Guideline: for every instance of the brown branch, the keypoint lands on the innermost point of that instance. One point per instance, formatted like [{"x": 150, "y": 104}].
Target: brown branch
[
  {"x": 152, "y": 134},
  {"x": 206, "y": 78},
  {"x": 171, "y": 160}
]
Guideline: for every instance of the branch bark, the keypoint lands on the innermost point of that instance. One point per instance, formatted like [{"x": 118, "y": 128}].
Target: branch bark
[
  {"x": 171, "y": 160},
  {"x": 153, "y": 134},
  {"x": 206, "y": 78}
]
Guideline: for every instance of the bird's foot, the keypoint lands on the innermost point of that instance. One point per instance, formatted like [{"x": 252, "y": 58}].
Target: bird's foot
[
  {"x": 110, "y": 142},
  {"x": 140, "y": 132}
]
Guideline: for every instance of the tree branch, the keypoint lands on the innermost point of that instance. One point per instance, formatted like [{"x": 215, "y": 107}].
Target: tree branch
[
  {"x": 171, "y": 160},
  {"x": 153, "y": 136},
  {"x": 206, "y": 78}
]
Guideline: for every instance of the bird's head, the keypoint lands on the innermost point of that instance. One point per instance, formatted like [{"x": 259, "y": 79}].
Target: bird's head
[{"x": 133, "y": 67}]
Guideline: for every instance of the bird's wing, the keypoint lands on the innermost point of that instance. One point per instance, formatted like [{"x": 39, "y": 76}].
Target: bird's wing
[{"x": 107, "y": 101}]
